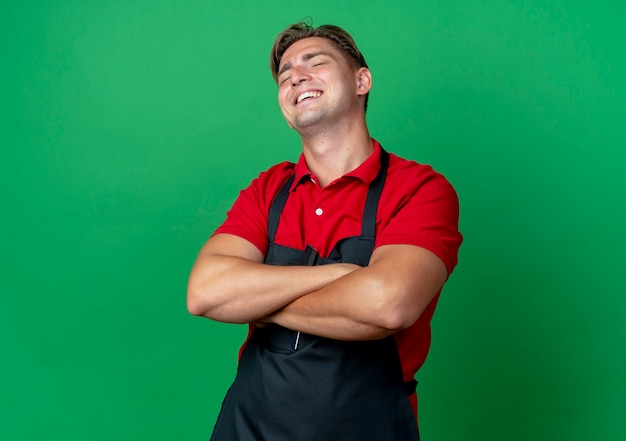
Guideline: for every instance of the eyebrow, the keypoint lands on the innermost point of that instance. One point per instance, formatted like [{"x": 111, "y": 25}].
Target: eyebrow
[{"x": 305, "y": 57}]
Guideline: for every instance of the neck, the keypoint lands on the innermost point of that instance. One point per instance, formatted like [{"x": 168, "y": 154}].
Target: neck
[{"x": 331, "y": 154}]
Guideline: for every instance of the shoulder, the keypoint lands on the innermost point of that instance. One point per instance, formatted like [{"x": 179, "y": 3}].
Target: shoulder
[
  {"x": 412, "y": 179},
  {"x": 277, "y": 172},
  {"x": 268, "y": 182},
  {"x": 419, "y": 207},
  {"x": 247, "y": 218}
]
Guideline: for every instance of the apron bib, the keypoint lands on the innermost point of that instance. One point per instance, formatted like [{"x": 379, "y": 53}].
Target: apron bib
[{"x": 293, "y": 386}]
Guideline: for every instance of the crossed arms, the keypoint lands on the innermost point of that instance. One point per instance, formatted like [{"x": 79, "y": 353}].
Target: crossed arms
[{"x": 230, "y": 283}]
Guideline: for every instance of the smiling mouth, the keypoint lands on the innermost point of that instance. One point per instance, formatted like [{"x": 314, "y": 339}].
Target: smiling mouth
[{"x": 307, "y": 95}]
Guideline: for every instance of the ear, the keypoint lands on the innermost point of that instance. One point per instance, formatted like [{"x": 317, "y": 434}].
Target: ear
[{"x": 364, "y": 81}]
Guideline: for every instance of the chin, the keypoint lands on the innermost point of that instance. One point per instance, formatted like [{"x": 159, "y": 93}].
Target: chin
[{"x": 310, "y": 119}]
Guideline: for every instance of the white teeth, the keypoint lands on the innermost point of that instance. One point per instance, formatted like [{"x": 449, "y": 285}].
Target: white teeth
[{"x": 312, "y": 94}]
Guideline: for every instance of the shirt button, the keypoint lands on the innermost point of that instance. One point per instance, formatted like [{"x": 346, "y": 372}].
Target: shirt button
[{"x": 319, "y": 211}]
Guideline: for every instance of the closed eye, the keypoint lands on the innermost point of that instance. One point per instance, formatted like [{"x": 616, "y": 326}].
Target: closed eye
[{"x": 319, "y": 60}]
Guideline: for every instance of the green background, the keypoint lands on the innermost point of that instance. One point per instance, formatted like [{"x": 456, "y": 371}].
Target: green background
[{"x": 128, "y": 128}]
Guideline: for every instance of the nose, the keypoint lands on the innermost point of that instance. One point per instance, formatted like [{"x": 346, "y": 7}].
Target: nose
[{"x": 299, "y": 74}]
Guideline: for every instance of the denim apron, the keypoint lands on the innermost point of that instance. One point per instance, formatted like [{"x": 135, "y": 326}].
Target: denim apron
[{"x": 293, "y": 386}]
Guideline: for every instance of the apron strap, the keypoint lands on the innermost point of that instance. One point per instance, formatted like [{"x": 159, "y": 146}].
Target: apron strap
[
  {"x": 368, "y": 228},
  {"x": 277, "y": 208},
  {"x": 410, "y": 386}
]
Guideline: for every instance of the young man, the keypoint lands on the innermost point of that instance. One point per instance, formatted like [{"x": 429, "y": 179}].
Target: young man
[{"x": 336, "y": 262}]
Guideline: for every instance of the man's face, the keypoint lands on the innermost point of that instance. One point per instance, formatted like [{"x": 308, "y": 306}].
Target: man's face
[{"x": 317, "y": 84}]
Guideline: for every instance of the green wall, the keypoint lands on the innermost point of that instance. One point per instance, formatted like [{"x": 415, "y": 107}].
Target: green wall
[{"x": 122, "y": 121}]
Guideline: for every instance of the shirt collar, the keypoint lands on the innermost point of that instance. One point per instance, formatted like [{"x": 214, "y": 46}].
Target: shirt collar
[{"x": 366, "y": 172}]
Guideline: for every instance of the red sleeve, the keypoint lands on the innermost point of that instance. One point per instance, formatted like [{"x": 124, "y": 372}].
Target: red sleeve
[
  {"x": 420, "y": 207},
  {"x": 248, "y": 216}
]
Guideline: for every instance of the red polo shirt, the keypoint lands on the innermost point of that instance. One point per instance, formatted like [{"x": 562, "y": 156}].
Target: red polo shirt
[{"x": 418, "y": 206}]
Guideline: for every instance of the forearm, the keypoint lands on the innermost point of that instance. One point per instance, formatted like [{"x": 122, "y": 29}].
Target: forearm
[
  {"x": 237, "y": 290},
  {"x": 342, "y": 310},
  {"x": 388, "y": 295},
  {"x": 338, "y": 327}
]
